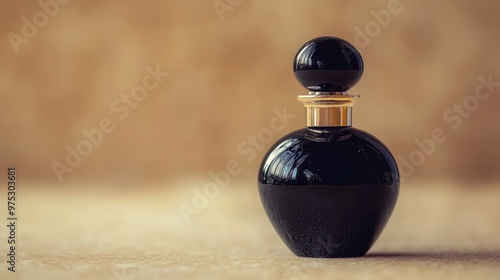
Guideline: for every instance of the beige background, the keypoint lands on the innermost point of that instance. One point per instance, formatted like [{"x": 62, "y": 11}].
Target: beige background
[
  {"x": 227, "y": 73},
  {"x": 118, "y": 215}
]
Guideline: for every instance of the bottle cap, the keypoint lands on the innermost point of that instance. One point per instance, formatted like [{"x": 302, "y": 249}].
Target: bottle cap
[{"x": 328, "y": 64}]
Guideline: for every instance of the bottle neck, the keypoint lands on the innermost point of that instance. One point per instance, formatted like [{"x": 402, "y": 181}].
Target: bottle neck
[{"x": 328, "y": 109}]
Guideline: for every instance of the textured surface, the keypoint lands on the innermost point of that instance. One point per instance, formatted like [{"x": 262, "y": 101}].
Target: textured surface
[{"x": 436, "y": 232}]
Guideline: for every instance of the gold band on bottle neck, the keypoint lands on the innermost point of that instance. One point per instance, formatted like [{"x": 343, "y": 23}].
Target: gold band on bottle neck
[{"x": 328, "y": 108}]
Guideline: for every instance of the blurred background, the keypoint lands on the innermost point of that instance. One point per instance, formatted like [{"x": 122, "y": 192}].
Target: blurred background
[{"x": 67, "y": 66}]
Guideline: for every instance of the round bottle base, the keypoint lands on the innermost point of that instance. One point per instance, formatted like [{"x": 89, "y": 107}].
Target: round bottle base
[{"x": 329, "y": 221}]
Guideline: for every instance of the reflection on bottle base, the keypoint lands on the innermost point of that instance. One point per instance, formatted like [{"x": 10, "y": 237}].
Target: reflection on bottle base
[{"x": 329, "y": 221}]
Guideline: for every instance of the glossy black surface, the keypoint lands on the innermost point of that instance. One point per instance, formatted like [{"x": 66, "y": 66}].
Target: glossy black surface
[
  {"x": 329, "y": 192},
  {"x": 328, "y": 64},
  {"x": 329, "y": 221}
]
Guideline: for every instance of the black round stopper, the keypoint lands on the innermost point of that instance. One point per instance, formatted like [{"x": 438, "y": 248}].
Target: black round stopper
[{"x": 328, "y": 64}]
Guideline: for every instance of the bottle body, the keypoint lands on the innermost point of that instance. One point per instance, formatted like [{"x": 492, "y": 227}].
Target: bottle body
[{"x": 329, "y": 191}]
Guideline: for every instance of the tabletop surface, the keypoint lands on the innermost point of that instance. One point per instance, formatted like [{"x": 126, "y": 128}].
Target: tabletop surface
[{"x": 438, "y": 231}]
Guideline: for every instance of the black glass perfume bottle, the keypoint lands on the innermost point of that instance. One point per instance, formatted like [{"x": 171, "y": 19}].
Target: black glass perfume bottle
[{"x": 328, "y": 189}]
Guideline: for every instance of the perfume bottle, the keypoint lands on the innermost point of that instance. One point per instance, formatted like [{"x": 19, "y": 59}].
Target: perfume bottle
[{"x": 328, "y": 189}]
